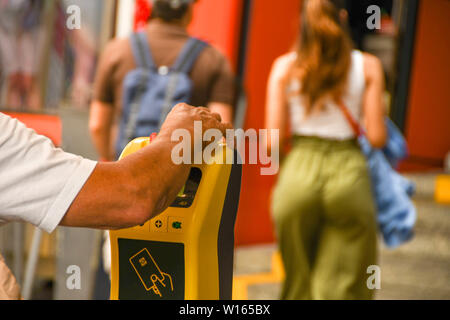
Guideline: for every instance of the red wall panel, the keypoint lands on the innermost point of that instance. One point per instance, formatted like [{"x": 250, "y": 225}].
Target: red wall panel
[
  {"x": 428, "y": 123},
  {"x": 219, "y": 23},
  {"x": 273, "y": 30},
  {"x": 46, "y": 125}
]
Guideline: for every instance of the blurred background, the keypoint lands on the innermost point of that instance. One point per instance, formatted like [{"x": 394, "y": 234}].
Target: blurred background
[{"x": 46, "y": 76}]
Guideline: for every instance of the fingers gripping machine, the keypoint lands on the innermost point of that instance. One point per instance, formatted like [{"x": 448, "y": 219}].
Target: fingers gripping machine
[{"x": 187, "y": 251}]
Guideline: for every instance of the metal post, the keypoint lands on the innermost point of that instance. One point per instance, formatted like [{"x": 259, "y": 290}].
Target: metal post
[
  {"x": 18, "y": 240},
  {"x": 31, "y": 264}
]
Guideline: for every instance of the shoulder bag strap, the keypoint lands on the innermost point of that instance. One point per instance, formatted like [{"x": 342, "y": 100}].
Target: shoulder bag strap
[{"x": 356, "y": 127}]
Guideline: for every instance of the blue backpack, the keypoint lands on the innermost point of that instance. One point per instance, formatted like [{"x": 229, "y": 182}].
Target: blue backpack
[{"x": 150, "y": 92}]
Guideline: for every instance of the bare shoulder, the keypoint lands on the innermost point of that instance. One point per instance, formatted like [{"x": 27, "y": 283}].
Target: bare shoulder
[
  {"x": 116, "y": 43},
  {"x": 286, "y": 60},
  {"x": 117, "y": 47},
  {"x": 373, "y": 67},
  {"x": 282, "y": 65}
]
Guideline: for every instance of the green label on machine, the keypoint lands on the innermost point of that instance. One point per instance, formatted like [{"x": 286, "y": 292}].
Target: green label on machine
[{"x": 151, "y": 270}]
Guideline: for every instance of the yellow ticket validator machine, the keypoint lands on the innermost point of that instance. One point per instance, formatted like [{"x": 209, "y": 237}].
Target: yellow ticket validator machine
[{"x": 187, "y": 251}]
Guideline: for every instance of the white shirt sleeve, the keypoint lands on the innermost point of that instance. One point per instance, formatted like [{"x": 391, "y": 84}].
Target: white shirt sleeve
[{"x": 38, "y": 182}]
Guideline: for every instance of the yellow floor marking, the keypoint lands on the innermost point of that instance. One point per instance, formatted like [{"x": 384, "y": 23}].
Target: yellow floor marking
[
  {"x": 242, "y": 282},
  {"x": 442, "y": 191}
]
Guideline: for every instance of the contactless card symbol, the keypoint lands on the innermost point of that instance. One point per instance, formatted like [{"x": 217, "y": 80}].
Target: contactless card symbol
[{"x": 151, "y": 276}]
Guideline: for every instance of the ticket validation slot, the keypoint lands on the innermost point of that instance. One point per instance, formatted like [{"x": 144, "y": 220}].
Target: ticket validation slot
[
  {"x": 187, "y": 195},
  {"x": 187, "y": 251}
]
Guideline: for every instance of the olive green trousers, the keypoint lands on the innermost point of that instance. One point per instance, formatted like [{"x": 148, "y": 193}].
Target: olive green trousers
[{"x": 324, "y": 216}]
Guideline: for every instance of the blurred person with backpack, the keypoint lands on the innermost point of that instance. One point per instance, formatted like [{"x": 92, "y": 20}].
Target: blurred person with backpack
[
  {"x": 140, "y": 79},
  {"x": 322, "y": 205}
]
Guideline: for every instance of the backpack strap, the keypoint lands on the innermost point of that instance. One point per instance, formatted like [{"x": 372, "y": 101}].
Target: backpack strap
[
  {"x": 141, "y": 51},
  {"x": 144, "y": 60},
  {"x": 189, "y": 55}
]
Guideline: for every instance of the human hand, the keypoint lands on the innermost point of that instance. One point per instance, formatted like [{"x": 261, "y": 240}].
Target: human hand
[{"x": 184, "y": 116}]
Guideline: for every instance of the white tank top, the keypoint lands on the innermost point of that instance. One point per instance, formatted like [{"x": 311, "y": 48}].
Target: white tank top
[{"x": 330, "y": 123}]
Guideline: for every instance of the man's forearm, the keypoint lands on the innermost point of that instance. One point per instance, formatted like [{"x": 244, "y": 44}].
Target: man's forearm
[
  {"x": 129, "y": 192},
  {"x": 157, "y": 177}
]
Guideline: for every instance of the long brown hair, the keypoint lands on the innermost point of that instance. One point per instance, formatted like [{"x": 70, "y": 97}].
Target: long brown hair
[{"x": 324, "y": 52}]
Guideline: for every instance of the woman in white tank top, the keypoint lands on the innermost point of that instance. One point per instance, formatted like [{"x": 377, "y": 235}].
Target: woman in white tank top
[
  {"x": 329, "y": 123},
  {"x": 322, "y": 204}
]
